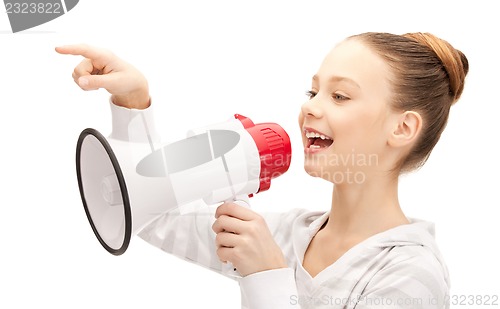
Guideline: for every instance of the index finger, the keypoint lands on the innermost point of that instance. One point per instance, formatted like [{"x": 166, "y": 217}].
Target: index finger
[
  {"x": 84, "y": 50},
  {"x": 235, "y": 211}
]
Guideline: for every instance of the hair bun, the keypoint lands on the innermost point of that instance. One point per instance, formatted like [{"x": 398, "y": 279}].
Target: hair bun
[{"x": 454, "y": 61}]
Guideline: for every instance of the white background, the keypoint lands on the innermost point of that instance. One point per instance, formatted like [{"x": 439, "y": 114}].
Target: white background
[{"x": 206, "y": 60}]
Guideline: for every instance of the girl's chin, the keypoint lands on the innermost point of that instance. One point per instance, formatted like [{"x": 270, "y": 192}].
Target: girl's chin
[
  {"x": 340, "y": 176},
  {"x": 315, "y": 171}
]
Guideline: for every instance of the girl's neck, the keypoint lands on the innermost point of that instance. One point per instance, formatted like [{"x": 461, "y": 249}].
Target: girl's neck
[{"x": 363, "y": 210}]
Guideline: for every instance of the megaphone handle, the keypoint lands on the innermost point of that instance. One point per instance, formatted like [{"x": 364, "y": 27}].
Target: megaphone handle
[{"x": 242, "y": 200}]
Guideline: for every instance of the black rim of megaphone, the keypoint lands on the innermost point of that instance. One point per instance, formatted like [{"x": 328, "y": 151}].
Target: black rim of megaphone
[{"x": 121, "y": 182}]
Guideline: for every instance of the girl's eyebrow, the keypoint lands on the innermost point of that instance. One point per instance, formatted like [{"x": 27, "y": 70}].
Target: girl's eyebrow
[{"x": 338, "y": 79}]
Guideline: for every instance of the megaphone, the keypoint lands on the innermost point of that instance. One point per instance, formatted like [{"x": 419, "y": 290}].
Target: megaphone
[{"x": 126, "y": 184}]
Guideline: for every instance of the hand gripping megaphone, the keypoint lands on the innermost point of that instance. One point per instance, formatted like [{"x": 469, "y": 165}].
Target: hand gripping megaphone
[{"x": 127, "y": 184}]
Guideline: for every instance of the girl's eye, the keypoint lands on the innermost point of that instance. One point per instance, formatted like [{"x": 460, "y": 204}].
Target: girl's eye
[
  {"x": 311, "y": 94},
  {"x": 339, "y": 97}
]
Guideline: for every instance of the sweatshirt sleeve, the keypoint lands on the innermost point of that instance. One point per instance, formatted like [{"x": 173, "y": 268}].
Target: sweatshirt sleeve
[
  {"x": 133, "y": 125},
  {"x": 189, "y": 236},
  {"x": 272, "y": 289}
]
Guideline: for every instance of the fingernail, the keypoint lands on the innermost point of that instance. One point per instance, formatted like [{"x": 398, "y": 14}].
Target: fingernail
[{"x": 83, "y": 82}]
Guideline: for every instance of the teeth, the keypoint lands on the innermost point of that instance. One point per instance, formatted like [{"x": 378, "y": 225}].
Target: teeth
[
  {"x": 315, "y": 135},
  {"x": 314, "y": 147}
]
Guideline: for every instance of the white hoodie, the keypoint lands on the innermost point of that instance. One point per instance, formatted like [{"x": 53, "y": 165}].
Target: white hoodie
[{"x": 398, "y": 268}]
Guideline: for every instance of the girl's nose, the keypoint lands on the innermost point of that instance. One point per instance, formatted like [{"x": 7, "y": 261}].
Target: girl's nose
[{"x": 312, "y": 108}]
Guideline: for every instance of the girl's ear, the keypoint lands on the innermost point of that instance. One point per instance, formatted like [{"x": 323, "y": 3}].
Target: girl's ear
[{"x": 406, "y": 130}]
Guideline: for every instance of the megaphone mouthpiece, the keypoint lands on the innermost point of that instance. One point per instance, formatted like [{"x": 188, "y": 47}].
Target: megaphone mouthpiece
[{"x": 274, "y": 147}]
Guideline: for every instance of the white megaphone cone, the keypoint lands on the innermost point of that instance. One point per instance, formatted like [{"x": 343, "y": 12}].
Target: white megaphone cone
[{"x": 126, "y": 184}]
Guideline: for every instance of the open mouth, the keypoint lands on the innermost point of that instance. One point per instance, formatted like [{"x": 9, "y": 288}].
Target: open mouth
[{"x": 317, "y": 140}]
